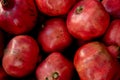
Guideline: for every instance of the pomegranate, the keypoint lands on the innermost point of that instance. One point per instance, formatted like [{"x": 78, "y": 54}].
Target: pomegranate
[
  {"x": 17, "y": 16},
  {"x": 21, "y": 56},
  {"x": 55, "y": 7},
  {"x": 87, "y": 20},
  {"x": 55, "y": 67},
  {"x": 54, "y": 36},
  {"x": 93, "y": 62},
  {"x": 112, "y": 36},
  {"x": 112, "y": 7}
]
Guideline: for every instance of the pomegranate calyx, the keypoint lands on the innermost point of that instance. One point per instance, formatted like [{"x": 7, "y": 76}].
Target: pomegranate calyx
[
  {"x": 55, "y": 75},
  {"x": 79, "y": 9},
  {"x": 5, "y": 2}
]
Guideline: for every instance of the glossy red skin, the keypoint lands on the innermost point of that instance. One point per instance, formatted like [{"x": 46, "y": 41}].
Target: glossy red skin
[
  {"x": 90, "y": 23},
  {"x": 93, "y": 62},
  {"x": 54, "y": 36},
  {"x": 20, "y": 18},
  {"x": 55, "y": 7},
  {"x": 21, "y": 56},
  {"x": 112, "y": 7},
  {"x": 3, "y": 74},
  {"x": 112, "y": 36},
  {"x": 55, "y": 62}
]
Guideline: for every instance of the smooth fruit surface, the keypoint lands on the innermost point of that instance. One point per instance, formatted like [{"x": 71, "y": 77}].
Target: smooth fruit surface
[
  {"x": 93, "y": 62},
  {"x": 54, "y": 35},
  {"x": 112, "y": 7},
  {"x": 17, "y": 16},
  {"x": 21, "y": 56},
  {"x": 112, "y": 36},
  {"x": 55, "y": 67},
  {"x": 55, "y": 7},
  {"x": 87, "y": 20}
]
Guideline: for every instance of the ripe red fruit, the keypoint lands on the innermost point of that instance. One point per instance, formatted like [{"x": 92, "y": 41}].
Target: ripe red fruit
[
  {"x": 93, "y": 62},
  {"x": 112, "y": 7},
  {"x": 17, "y": 16},
  {"x": 21, "y": 56},
  {"x": 54, "y": 36},
  {"x": 55, "y": 67},
  {"x": 112, "y": 38},
  {"x": 87, "y": 20},
  {"x": 55, "y": 7},
  {"x": 112, "y": 35}
]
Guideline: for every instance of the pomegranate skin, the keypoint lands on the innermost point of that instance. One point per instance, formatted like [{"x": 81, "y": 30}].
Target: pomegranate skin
[
  {"x": 55, "y": 7},
  {"x": 112, "y": 7},
  {"x": 112, "y": 35},
  {"x": 87, "y": 20},
  {"x": 54, "y": 36},
  {"x": 55, "y": 67},
  {"x": 113, "y": 50},
  {"x": 18, "y": 16},
  {"x": 93, "y": 62},
  {"x": 21, "y": 56},
  {"x": 112, "y": 38}
]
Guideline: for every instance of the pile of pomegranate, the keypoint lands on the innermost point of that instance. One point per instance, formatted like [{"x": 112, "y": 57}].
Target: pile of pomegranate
[{"x": 59, "y": 39}]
